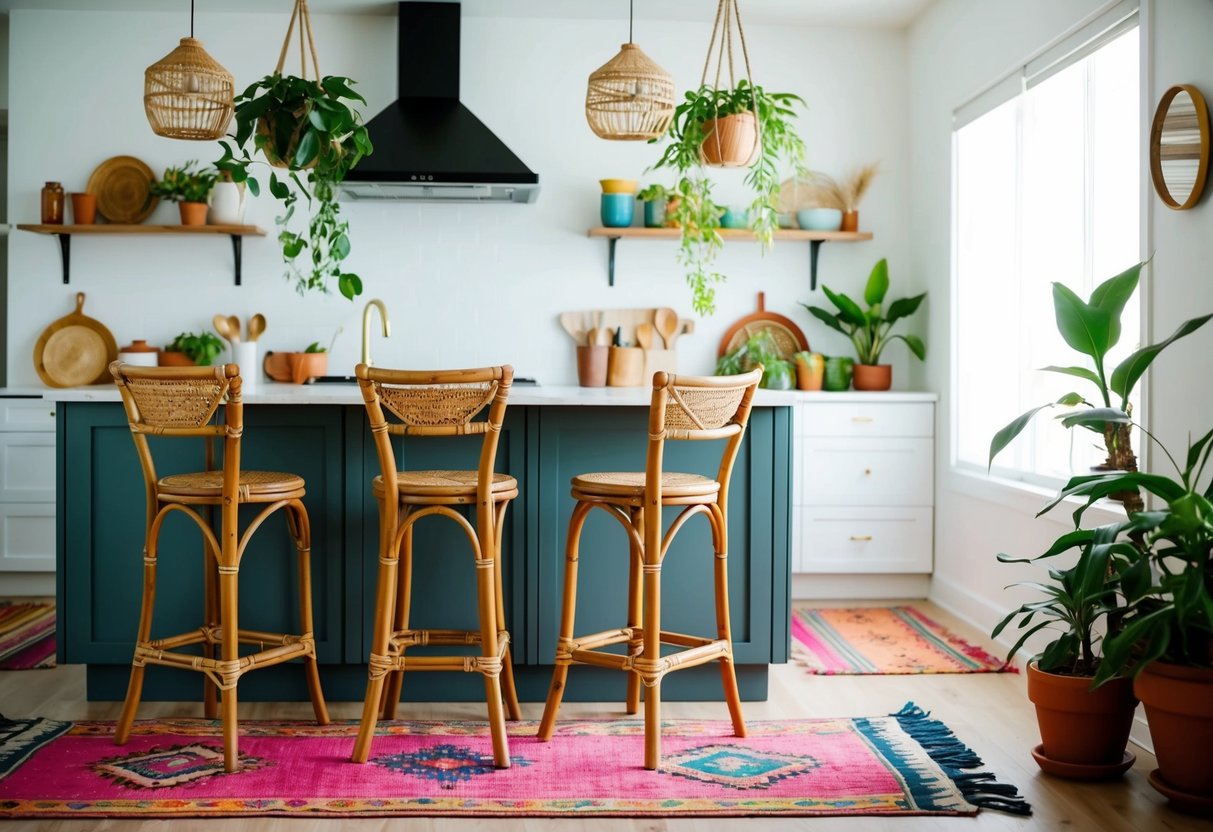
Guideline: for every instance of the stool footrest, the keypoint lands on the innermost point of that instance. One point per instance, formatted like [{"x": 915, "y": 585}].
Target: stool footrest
[
  {"x": 403, "y": 639},
  {"x": 696, "y": 650},
  {"x": 488, "y": 665},
  {"x": 224, "y": 673},
  {"x": 214, "y": 636},
  {"x": 606, "y": 637}
]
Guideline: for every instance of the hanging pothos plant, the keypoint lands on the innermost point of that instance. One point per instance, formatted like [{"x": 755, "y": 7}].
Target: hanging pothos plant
[
  {"x": 776, "y": 143},
  {"x": 303, "y": 126}
]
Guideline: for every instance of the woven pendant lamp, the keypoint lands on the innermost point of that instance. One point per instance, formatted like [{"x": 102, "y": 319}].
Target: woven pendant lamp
[
  {"x": 629, "y": 98},
  {"x": 187, "y": 94}
]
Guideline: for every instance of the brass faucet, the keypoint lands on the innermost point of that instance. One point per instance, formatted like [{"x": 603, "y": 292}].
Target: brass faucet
[{"x": 366, "y": 327}]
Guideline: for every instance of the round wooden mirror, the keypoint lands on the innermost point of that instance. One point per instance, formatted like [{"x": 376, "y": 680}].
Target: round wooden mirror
[{"x": 1179, "y": 146}]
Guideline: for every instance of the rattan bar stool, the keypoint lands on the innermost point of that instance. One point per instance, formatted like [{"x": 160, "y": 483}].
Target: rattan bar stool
[
  {"x": 181, "y": 402},
  {"x": 683, "y": 407},
  {"x": 439, "y": 403}
]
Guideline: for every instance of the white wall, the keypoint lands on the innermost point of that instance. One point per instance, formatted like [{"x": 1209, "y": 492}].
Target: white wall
[
  {"x": 465, "y": 285},
  {"x": 954, "y": 49}
]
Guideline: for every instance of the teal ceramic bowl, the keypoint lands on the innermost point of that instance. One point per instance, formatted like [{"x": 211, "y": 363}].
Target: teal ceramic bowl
[
  {"x": 735, "y": 218},
  {"x": 617, "y": 210},
  {"x": 819, "y": 219}
]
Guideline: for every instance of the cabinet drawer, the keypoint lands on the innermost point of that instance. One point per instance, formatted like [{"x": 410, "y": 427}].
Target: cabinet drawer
[
  {"x": 857, "y": 540},
  {"x": 866, "y": 419},
  {"x": 27, "y": 414},
  {"x": 27, "y": 467},
  {"x": 867, "y": 472},
  {"x": 27, "y": 537}
]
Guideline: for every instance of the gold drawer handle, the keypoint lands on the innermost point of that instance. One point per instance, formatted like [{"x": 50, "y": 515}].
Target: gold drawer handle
[
  {"x": 861, "y": 537},
  {"x": 861, "y": 419}
]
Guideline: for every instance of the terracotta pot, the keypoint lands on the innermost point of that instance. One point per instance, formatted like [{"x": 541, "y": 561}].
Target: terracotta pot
[
  {"x": 592, "y": 365},
  {"x": 84, "y": 209},
  {"x": 171, "y": 358},
  {"x": 731, "y": 141},
  {"x": 1080, "y": 726},
  {"x": 1179, "y": 708},
  {"x": 193, "y": 213},
  {"x": 873, "y": 376},
  {"x": 295, "y": 367},
  {"x": 810, "y": 371},
  {"x": 850, "y": 221}
]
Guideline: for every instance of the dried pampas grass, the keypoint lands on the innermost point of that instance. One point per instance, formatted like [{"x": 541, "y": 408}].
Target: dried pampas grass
[{"x": 820, "y": 190}]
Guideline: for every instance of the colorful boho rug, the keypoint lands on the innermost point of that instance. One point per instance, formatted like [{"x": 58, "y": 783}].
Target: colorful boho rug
[
  {"x": 883, "y": 641},
  {"x": 903, "y": 764},
  {"x": 27, "y": 636}
]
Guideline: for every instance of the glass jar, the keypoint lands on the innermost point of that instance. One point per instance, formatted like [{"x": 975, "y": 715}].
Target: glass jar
[{"x": 52, "y": 204}]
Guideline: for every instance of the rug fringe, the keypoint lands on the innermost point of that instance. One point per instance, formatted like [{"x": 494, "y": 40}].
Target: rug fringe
[{"x": 953, "y": 756}]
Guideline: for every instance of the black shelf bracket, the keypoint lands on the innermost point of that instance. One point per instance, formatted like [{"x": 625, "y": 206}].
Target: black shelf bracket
[
  {"x": 237, "y": 253},
  {"x": 814, "y": 247},
  {"x": 65, "y": 253},
  {"x": 611, "y": 241}
]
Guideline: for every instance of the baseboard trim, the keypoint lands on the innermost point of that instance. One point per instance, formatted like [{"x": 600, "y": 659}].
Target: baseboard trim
[
  {"x": 813, "y": 587},
  {"x": 23, "y": 584}
]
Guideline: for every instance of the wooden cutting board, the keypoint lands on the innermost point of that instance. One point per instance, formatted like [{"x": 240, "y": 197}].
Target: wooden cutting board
[{"x": 75, "y": 350}]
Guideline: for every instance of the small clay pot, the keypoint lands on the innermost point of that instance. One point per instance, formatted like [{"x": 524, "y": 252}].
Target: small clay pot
[
  {"x": 850, "y": 221},
  {"x": 873, "y": 376},
  {"x": 84, "y": 209},
  {"x": 295, "y": 367},
  {"x": 592, "y": 365},
  {"x": 193, "y": 213},
  {"x": 1179, "y": 708},
  {"x": 731, "y": 141},
  {"x": 172, "y": 358},
  {"x": 1080, "y": 726}
]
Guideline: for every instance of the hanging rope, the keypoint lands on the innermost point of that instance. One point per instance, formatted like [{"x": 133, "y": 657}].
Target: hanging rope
[
  {"x": 300, "y": 14},
  {"x": 728, "y": 17}
]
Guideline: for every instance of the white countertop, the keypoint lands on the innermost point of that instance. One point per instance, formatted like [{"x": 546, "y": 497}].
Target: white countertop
[{"x": 521, "y": 394}]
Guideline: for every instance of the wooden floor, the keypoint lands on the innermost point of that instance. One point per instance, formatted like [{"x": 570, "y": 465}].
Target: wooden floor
[{"x": 987, "y": 711}]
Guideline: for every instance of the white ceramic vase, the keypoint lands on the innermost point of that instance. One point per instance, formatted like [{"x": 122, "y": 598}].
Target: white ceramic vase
[{"x": 227, "y": 203}]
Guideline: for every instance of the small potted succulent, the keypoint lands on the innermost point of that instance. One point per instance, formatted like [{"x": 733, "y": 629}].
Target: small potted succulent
[
  {"x": 188, "y": 349},
  {"x": 869, "y": 329},
  {"x": 310, "y": 130},
  {"x": 189, "y": 186}
]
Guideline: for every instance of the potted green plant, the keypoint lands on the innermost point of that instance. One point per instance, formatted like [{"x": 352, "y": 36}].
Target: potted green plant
[
  {"x": 658, "y": 202},
  {"x": 759, "y": 349},
  {"x": 189, "y": 349},
  {"x": 1164, "y": 640},
  {"x": 189, "y": 186},
  {"x": 706, "y": 118},
  {"x": 310, "y": 128},
  {"x": 1092, "y": 328},
  {"x": 869, "y": 329}
]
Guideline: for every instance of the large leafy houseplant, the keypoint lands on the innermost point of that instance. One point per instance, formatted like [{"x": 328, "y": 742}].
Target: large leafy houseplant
[
  {"x": 696, "y": 213},
  {"x": 870, "y": 329},
  {"x": 309, "y": 128},
  {"x": 1093, "y": 328}
]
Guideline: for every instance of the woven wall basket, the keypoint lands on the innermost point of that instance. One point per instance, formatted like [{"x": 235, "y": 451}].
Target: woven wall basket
[
  {"x": 629, "y": 98},
  {"x": 187, "y": 94}
]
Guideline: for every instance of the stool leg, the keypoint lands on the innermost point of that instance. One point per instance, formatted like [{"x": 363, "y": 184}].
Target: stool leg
[
  {"x": 404, "y": 596},
  {"x": 385, "y": 604},
  {"x": 134, "y": 689},
  {"x": 512, "y": 709},
  {"x": 210, "y": 609},
  {"x": 635, "y": 558},
  {"x": 652, "y": 656},
  {"x": 560, "y": 673},
  {"x": 301, "y": 531},
  {"x": 486, "y": 596},
  {"x": 229, "y": 650},
  {"x": 728, "y": 674}
]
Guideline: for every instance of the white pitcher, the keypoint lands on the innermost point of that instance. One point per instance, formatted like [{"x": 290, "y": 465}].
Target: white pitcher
[{"x": 227, "y": 203}]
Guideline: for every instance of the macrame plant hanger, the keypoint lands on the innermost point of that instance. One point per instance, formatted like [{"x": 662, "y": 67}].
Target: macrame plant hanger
[
  {"x": 300, "y": 13},
  {"x": 732, "y": 144}
]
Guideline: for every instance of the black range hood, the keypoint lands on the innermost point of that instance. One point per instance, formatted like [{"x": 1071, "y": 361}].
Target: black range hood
[{"x": 428, "y": 146}]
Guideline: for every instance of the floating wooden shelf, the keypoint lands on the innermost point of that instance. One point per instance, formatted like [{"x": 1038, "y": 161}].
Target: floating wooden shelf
[
  {"x": 813, "y": 238},
  {"x": 66, "y": 232}
]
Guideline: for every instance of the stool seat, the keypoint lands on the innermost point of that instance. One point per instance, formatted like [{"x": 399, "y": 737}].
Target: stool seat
[
  {"x": 675, "y": 487},
  {"x": 446, "y": 486},
  {"x": 255, "y": 486}
]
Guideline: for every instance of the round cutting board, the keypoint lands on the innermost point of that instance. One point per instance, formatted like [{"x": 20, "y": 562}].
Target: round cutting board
[
  {"x": 75, "y": 350},
  {"x": 122, "y": 185},
  {"x": 788, "y": 337}
]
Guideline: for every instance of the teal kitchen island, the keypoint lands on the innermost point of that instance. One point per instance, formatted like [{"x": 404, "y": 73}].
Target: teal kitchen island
[{"x": 320, "y": 433}]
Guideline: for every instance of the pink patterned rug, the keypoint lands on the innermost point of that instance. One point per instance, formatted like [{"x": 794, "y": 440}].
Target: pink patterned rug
[
  {"x": 27, "y": 636},
  {"x": 883, "y": 641},
  {"x": 903, "y": 764}
]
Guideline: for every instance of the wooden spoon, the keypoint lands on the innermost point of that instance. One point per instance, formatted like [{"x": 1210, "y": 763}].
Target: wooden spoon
[
  {"x": 665, "y": 321},
  {"x": 644, "y": 335},
  {"x": 233, "y": 323},
  {"x": 256, "y": 326},
  {"x": 224, "y": 327}
]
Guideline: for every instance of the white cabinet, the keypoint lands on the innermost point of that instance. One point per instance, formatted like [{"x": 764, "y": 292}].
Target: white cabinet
[
  {"x": 864, "y": 486},
  {"x": 27, "y": 485}
]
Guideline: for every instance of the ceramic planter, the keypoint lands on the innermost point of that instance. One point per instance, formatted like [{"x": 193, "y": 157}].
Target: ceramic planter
[
  {"x": 730, "y": 141},
  {"x": 850, "y": 221},
  {"x": 873, "y": 376},
  {"x": 1083, "y": 732},
  {"x": 172, "y": 358},
  {"x": 1179, "y": 708},
  {"x": 227, "y": 202},
  {"x": 193, "y": 213},
  {"x": 654, "y": 213}
]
